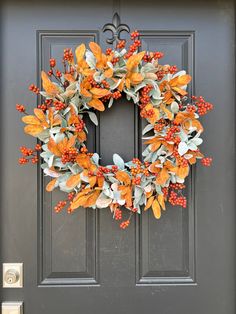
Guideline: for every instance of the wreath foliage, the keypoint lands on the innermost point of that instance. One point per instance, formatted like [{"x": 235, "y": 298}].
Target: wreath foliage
[{"x": 90, "y": 82}]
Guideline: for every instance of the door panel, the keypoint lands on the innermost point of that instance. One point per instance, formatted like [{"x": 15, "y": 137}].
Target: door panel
[{"x": 83, "y": 263}]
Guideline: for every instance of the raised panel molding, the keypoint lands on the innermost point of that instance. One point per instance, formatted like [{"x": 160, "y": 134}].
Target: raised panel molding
[
  {"x": 67, "y": 246},
  {"x": 165, "y": 249}
]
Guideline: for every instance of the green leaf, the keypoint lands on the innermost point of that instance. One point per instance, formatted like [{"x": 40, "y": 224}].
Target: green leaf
[
  {"x": 118, "y": 161},
  {"x": 182, "y": 148},
  {"x": 147, "y": 128},
  {"x": 174, "y": 107},
  {"x": 93, "y": 117}
]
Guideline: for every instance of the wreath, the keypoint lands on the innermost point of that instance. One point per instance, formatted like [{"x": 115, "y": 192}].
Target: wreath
[{"x": 91, "y": 81}]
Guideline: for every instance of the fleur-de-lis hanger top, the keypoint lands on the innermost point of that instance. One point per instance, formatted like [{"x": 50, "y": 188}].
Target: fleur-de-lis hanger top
[{"x": 115, "y": 28}]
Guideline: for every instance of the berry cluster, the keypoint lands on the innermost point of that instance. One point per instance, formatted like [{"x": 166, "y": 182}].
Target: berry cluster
[
  {"x": 114, "y": 168},
  {"x": 176, "y": 200},
  {"x": 33, "y": 88},
  {"x": 125, "y": 224},
  {"x": 147, "y": 113},
  {"x": 115, "y": 60},
  {"x": 59, "y": 105},
  {"x": 171, "y": 134},
  {"x": 108, "y": 51},
  {"x": 118, "y": 214},
  {"x": 68, "y": 55},
  {"x": 92, "y": 81},
  {"x": 177, "y": 186},
  {"x": 173, "y": 69},
  {"x": 180, "y": 159},
  {"x": 159, "y": 126},
  {"x": 139, "y": 168},
  {"x": 203, "y": 107},
  {"x": 105, "y": 84},
  {"x": 52, "y": 63},
  {"x": 116, "y": 94},
  {"x": 191, "y": 108},
  {"x": 45, "y": 105},
  {"x": 79, "y": 126},
  {"x": 101, "y": 171},
  {"x": 83, "y": 150},
  {"x": 20, "y": 108},
  {"x": 60, "y": 205},
  {"x": 144, "y": 94},
  {"x": 69, "y": 155},
  {"x": 29, "y": 154},
  {"x": 58, "y": 74},
  {"x": 206, "y": 161},
  {"x": 136, "y": 44},
  {"x": 136, "y": 181},
  {"x": 121, "y": 44}
]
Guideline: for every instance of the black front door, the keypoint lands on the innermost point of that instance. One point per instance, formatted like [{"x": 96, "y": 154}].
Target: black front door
[{"x": 83, "y": 263}]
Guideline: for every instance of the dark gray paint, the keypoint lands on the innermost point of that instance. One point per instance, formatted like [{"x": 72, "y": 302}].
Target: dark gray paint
[{"x": 83, "y": 263}]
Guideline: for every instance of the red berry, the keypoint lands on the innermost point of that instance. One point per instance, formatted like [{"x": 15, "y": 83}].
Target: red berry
[
  {"x": 206, "y": 161},
  {"x": 20, "y": 108},
  {"x": 52, "y": 63}
]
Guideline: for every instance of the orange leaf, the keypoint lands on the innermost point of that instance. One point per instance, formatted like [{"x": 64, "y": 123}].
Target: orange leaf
[
  {"x": 83, "y": 160},
  {"x": 182, "y": 172},
  {"x": 154, "y": 167},
  {"x": 92, "y": 181},
  {"x": 100, "y": 181},
  {"x": 184, "y": 79},
  {"x": 99, "y": 92},
  {"x": 136, "y": 78},
  {"x": 92, "y": 198},
  {"x": 180, "y": 91},
  {"x": 163, "y": 176},
  {"x": 52, "y": 146},
  {"x": 73, "y": 119},
  {"x": 126, "y": 194},
  {"x": 161, "y": 200},
  {"x": 96, "y": 50},
  {"x": 81, "y": 136},
  {"x": 127, "y": 83},
  {"x": 155, "y": 116},
  {"x": 31, "y": 120},
  {"x": 155, "y": 146},
  {"x": 80, "y": 198},
  {"x": 73, "y": 181},
  {"x": 134, "y": 60},
  {"x": 149, "y": 203},
  {"x": 71, "y": 141},
  {"x": 79, "y": 52},
  {"x": 121, "y": 85},
  {"x": 108, "y": 73},
  {"x": 169, "y": 114},
  {"x": 156, "y": 209},
  {"x": 50, "y": 186},
  {"x": 48, "y": 86},
  {"x": 123, "y": 177},
  {"x": 39, "y": 114},
  {"x": 33, "y": 130},
  {"x": 97, "y": 104},
  {"x": 84, "y": 92},
  {"x": 69, "y": 77},
  {"x": 86, "y": 198},
  {"x": 197, "y": 125}
]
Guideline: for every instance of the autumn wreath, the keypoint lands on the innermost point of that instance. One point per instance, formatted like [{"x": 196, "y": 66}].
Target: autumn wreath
[{"x": 91, "y": 82}]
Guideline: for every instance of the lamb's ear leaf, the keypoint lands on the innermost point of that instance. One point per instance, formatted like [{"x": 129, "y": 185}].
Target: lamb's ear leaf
[
  {"x": 118, "y": 161},
  {"x": 93, "y": 117}
]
